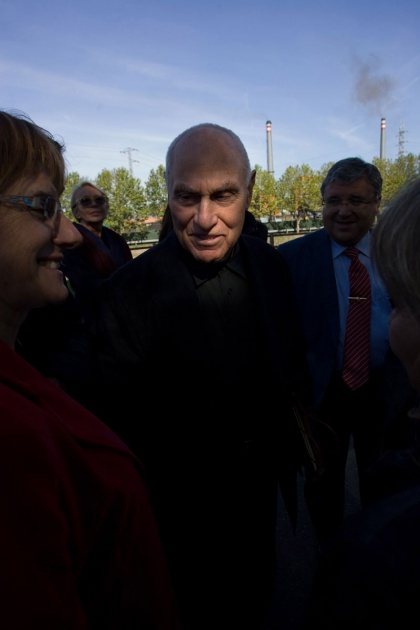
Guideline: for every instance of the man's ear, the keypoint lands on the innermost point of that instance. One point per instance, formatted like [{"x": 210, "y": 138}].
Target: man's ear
[{"x": 250, "y": 187}]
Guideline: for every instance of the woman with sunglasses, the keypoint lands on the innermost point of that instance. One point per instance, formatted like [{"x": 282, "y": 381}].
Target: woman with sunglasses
[
  {"x": 103, "y": 249},
  {"x": 79, "y": 547}
]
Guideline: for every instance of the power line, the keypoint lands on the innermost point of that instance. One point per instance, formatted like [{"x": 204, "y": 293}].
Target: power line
[{"x": 129, "y": 150}]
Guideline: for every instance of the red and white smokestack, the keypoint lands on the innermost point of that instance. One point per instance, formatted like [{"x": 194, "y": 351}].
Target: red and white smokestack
[
  {"x": 270, "y": 168},
  {"x": 382, "y": 151}
]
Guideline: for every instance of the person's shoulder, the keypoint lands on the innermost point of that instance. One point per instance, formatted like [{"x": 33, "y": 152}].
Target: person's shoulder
[
  {"x": 113, "y": 234},
  {"x": 256, "y": 248},
  {"x": 119, "y": 240},
  {"x": 253, "y": 243},
  {"x": 109, "y": 230},
  {"x": 145, "y": 267},
  {"x": 305, "y": 240},
  {"x": 254, "y": 227},
  {"x": 264, "y": 259}
]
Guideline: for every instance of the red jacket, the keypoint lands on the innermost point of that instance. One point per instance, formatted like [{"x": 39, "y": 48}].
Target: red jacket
[{"x": 78, "y": 542}]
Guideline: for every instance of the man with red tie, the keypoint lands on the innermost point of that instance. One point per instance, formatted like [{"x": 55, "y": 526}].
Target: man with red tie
[{"x": 360, "y": 386}]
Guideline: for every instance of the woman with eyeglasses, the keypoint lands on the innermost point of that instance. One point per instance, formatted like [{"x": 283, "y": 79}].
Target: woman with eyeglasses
[
  {"x": 79, "y": 548},
  {"x": 103, "y": 250}
]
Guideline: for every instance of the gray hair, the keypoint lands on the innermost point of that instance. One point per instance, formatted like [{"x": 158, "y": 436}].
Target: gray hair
[
  {"x": 243, "y": 155},
  {"x": 350, "y": 169},
  {"x": 75, "y": 191},
  {"x": 395, "y": 245}
]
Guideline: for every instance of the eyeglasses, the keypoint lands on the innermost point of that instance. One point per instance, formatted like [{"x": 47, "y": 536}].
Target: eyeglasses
[
  {"x": 352, "y": 204},
  {"x": 86, "y": 202},
  {"x": 47, "y": 206}
]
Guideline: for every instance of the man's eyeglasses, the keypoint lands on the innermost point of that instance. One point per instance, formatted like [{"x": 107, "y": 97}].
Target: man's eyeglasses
[
  {"x": 87, "y": 202},
  {"x": 353, "y": 204},
  {"x": 45, "y": 205}
]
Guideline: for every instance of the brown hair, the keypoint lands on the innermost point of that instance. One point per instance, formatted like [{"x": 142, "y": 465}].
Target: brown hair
[{"x": 27, "y": 149}]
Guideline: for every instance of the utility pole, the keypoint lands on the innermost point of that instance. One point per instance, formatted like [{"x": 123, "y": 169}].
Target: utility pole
[
  {"x": 129, "y": 150},
  {"x": 401, "y": 140},
  {"x": 270, "y": 167}
]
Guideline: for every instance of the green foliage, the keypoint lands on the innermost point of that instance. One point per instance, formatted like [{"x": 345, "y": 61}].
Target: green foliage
[
  {"x": 265, "y": 201},
  {"x": 299, "y": 194},
  {"x": 127, "y": 200},
  {"x": 71, "y": 181},
  {"x": 156, "y": 193},
  {"x": 396, "y": 174}
]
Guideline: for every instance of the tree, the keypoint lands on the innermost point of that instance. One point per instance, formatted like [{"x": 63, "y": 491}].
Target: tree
[
  {"x": 396, "y": 174},
  {"x": 71, "y": 180},
  {"x": 299, "y": 193},
  {"x": 127, "y": 200},
  {"x": 264, "y": 199},
  {"x": 156, "y": 193}
]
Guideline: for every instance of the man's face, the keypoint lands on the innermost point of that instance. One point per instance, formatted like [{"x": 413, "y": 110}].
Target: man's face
[
  {"x": 348, "y": 221},
  {"x": 208, "y": 193}
]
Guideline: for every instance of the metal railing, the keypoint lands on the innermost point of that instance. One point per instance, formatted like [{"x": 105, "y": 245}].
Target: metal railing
[{"x": 272, "y": 234}]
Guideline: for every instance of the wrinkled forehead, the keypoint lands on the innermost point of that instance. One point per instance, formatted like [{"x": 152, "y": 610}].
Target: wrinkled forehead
[{"x": 206, "y": 159}]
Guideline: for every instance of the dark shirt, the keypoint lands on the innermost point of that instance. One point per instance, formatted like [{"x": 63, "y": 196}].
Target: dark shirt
[{"x": 228, "y": 315}]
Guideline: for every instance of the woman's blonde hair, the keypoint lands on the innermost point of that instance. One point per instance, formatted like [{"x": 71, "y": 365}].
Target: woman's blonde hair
[
  {"x": 75, "y": 192},
  {"x": 396, "y": 245}
]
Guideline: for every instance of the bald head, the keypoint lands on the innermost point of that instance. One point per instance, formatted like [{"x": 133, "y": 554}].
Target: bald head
[
  {"x": 210, "y": 144},
  {"x": 210, "y": 184}
]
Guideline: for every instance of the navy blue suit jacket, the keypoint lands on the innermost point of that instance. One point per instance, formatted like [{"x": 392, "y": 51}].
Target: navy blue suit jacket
[
  {"x": 311, "y": 265},
  {"x": 310, "y": 261}
]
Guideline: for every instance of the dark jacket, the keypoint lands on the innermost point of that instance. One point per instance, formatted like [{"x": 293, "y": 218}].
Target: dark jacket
[
  {"x": 309, "y": 259},
  {"x": 254, "y": 227},
  {"x": 214, "y": 445},
  {"x": 149, "y": 316},
  {"x": 88, "y": 265},
  {"x": 369, "y": 575}
]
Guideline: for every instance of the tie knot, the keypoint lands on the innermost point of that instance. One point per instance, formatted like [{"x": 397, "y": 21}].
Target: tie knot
[{"x": 352, "y": 252}]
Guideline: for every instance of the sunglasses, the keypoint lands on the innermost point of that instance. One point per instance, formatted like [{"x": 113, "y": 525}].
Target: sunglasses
[
  {"x": 87, "y": 202},
  {"x": 45, "y": 205}
]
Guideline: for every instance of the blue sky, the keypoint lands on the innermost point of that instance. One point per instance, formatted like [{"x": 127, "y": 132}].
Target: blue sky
[{"x": 109, "y": 76}]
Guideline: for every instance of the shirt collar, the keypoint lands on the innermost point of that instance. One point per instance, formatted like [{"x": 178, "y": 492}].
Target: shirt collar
[
  {"x": 205, "y": 271},
  {"x": 363, "y": 246}
]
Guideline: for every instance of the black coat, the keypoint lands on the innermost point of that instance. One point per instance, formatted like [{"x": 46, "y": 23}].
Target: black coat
[{"x": 214, "y": 447}]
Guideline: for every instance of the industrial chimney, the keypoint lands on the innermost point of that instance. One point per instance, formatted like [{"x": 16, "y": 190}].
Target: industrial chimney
[
  {"x": 270, "y": 168},
  {"x": 382, "y": 151}
]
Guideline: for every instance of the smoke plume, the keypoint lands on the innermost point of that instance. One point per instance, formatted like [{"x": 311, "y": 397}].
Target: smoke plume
[{"x": 371, "y": 88}]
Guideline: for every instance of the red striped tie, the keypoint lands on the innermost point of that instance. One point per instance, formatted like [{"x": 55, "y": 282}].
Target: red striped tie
[{"x": 357, "y": 340}]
